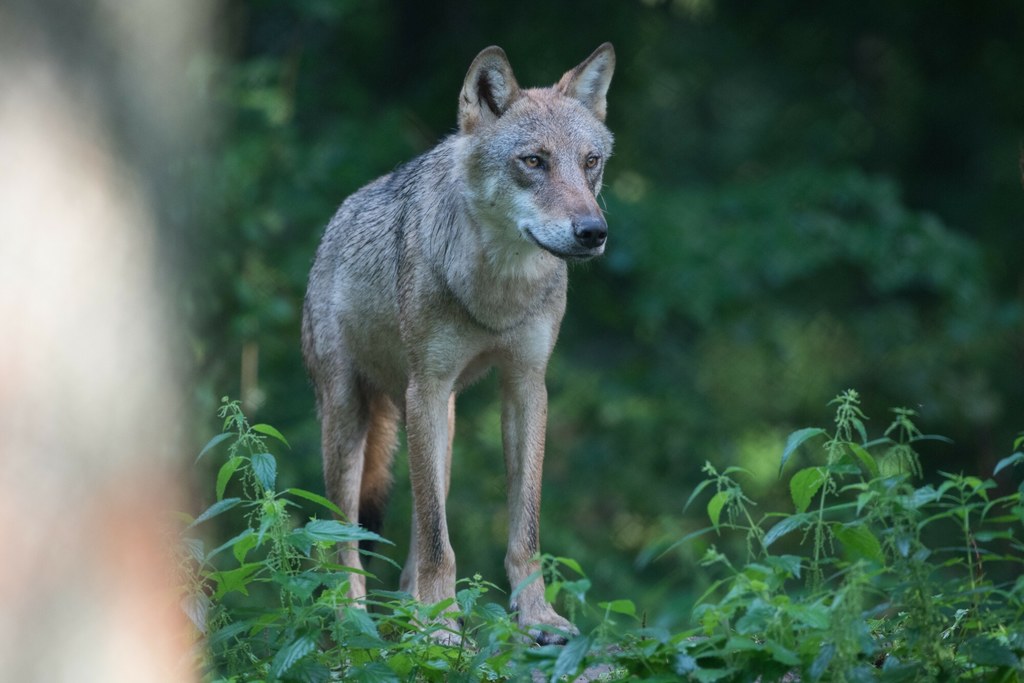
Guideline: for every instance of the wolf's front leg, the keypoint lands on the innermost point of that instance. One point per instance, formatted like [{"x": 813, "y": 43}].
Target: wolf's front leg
[
  {"x": 524, "y": 416},
  {"x": 428, "y": 425}
]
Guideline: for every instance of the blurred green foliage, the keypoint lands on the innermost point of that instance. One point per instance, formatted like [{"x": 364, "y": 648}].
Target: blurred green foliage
[{"x": 803, "y": 198}]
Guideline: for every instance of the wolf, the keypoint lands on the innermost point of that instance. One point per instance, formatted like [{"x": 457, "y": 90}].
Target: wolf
[{"x": 424, "y": 279}]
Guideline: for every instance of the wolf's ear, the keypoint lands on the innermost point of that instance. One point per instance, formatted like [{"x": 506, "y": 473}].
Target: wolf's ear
[
  {"x": 589, "y": 81},
  {"x": 490, "y": 88}
]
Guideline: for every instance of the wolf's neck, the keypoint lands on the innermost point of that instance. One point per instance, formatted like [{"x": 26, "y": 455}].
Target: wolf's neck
[{"x": 501, "y": 283}]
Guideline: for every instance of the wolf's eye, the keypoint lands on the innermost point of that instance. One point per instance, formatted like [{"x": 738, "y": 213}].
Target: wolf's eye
[
  {"x": 533, "y": 161},
  {"x": 593, "y": 160}
]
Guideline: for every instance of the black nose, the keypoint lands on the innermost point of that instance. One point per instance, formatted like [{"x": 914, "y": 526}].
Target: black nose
[{"x": 590, "y": 231}]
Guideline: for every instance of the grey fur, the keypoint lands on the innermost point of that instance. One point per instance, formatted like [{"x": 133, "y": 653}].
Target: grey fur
[{"x": 425, "y": 278}]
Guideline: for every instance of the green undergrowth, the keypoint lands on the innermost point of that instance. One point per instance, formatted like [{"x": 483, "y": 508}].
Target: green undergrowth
[{"x": 881, "y": 571}]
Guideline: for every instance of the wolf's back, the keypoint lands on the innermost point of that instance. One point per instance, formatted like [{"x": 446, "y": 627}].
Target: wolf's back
[{"x": 351, "y": 308}]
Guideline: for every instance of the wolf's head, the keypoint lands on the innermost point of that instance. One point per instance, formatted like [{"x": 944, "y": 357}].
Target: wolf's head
[{"x": 534, "y": 158}]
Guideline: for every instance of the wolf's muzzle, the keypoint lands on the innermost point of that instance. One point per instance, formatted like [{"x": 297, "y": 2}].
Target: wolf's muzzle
[{"x": 590, "y": 231}]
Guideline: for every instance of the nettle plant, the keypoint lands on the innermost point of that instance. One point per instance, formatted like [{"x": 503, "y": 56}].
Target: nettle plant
[
  {"x": 882, "y": 578},
  {"x": 889, "y": 579},
  {"x": 270, "y": 602}
]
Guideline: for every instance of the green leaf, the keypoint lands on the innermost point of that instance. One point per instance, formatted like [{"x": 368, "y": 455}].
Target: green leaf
[
  {"x": 859, "y": 541},
  {"x": 696, "y": 492},
  {"x": 863, "y": 499},
  {"x": 244, "y": 544},
  {"x": 226, "y": 470},
  {"x": 859, "y": 426},
  {"x": 435, "y": 664},
  {"x": 358, "y": 621},
  {"x": 932, "y": 437},
  {"x": 270, "y": 431},
  {"x": 1007, "y": 461},
  {"x": 804, "y": 485},
  {"x": 790, "y": 564},
  {"x": 684, "y": 664},
  {"x": 756, "y": 619},
  {"x": 781, "y": 653},
  {"x": 715, "y": 506},
  {"x": 339, "y": 532},
  {"x": 217, "y": 508},
  {"x": 577, "y": 588},
  {"x": 234, "y": 579},
  {"x": 821, "y": 662},
  {"x": 374, "y": 672},
  {"x": 435, "y": 610},
  {"x": 990, "y": 652},
  {"x": 213, "y": 442},
  {"x": 534, "y": 575},
  {"x": 222, "y": 635},
  {"x": 264, "y": 466},
  {"x": 315, "y": 498},
  {"x": 794, "y": 441},
  {"x": 571, "y": 657},
  {"x": 739, "y": 644},
  {"x": 619, "y": 607},
  {"x": 309, "y": 671},
  {"x": 229, "y": 543},
  {"x": 291, "y": 653},
  {"x": 784, "y": 527},
  {"x": 815, "y": 615},
  {"x": 571, "y": 564},
  {"x": 865, "y": 457},
  {"x": 301, "y": 586}
]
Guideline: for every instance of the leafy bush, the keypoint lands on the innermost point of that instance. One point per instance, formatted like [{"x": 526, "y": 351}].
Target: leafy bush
[
  {"x": 873, "y": 576},
  {"x": 270, "y": 602},
  {"x": 898, "y": 581}
]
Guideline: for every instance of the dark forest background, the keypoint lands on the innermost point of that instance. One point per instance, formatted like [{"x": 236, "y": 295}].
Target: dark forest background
[{"x": 804, "y": 198}]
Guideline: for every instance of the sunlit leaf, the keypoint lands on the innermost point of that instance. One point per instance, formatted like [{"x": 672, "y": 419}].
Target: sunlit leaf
[
  {"x": 620, "y": 607},
  {"x": 715, "y": 506},
  {"x": 805, "y": 484},
  {"x": 270, "y": 431},
  {"x": 315, "y": 498},
  {"x": 226, "y": 470},
  {"x": 235, "y": 579},
  {"x": 571, "y": 564},
  {"x": 245, "y": 543}
]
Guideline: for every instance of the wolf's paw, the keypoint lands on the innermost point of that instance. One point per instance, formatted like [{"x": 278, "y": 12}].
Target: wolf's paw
[{"x": 547, "y": 628}]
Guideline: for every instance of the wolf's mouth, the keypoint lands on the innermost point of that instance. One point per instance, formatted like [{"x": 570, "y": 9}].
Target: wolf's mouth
[{"x": 564, "y": 255}]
